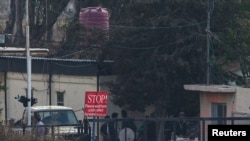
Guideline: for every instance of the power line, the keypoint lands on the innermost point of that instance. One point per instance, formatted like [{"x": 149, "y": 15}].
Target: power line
[
  {"x": 155, "y": 27},
  {"x": 135, "y": 27},
  {"x": 160, "y": 46},
  {"x": 71, "y": 66}
]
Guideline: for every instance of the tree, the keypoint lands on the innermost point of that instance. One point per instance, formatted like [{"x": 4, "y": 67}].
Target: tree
[
  {"x": 234, "y": 39},
  {"x": 163, "y": 46},
  {"x": 156, "y": 54},
  {"x": 39, "y": 12},
  {"x": 159, "y": 47},
  {"x": 78, "y": 44}
]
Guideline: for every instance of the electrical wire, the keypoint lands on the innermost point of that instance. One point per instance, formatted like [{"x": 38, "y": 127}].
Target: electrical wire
[
  {"x": 136, "y": 27},
  {"x": 160, "y": 46},
  {"x": 71, "y": 66},
  {"x": 77, "y": 52},
  {"x": 153, "y": 27},
  {"x": 226, "y": 46}
]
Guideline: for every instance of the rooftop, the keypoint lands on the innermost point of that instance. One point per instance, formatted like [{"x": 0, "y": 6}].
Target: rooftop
[{"x": 210, "y": 88}]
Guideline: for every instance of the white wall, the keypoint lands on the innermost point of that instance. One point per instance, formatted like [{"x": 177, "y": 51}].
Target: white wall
[
  {"x": 74, "y": 87},
  {"x": 242, "y": 101}
]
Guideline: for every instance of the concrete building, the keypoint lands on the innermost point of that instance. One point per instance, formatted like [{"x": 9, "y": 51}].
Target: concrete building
[
  {"x": 54, "y": 82},
  {"x": 220, "y": 101}
]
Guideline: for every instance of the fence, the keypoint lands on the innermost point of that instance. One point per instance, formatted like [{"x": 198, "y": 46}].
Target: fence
[
  {"x": 147, "y": 129},
  {"x": 167, "y": 129}
]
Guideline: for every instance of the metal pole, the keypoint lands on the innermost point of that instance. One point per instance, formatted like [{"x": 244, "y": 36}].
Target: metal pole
[
  {"x": 93, "y": 129},
  {"x": 97, "y": 88},
  {"x": 208, "y": 48},
  {"x": 5, "y": 96},
  {"x": 28, "y": 64},
  {"x": 46, "y": 35},
  {"x": 210, "y": 6},
  {"x": 95, "y": 117}
]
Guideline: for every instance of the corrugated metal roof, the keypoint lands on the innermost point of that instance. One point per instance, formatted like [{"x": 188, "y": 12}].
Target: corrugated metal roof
[
  {"x": 56, "y": 59},
  {"x": 18, "y": 49}
]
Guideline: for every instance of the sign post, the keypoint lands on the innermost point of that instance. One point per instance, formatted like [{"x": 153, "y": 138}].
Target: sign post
[{"x": 95, "y": 105}]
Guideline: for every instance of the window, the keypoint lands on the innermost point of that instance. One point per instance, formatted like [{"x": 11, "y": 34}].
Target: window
[
  {"x": 219, "y": 110},
  {"x": 58, "y": 117},
  {"x": 60, "y": 98}
]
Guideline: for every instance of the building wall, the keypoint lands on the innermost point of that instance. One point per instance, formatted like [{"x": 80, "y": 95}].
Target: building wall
[
  {"x": 242, "y": 101},
  {"x": 74, "y": 96},
  {"x": 74, "y": 87},
  {"x": 237, "y": 104},
  {"x": 206, "y": 99}
]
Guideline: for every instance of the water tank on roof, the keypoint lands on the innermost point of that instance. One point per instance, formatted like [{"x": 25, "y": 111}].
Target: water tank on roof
[{"x": 94, "y": 17}]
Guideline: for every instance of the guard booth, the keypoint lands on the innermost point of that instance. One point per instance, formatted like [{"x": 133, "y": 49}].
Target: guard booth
[{"x": 222, "y": 101}]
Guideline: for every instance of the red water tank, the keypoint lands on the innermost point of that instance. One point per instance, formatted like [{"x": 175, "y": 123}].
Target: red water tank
[{"x": 94, "y": 17}]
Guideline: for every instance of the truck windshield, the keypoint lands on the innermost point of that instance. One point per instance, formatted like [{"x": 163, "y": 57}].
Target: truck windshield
[{"x": 59, "y": 117}]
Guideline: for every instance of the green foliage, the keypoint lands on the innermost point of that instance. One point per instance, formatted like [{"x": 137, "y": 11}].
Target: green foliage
[
  {"x": 159, "y": 47},
  {"x": 153, "y": 64},
  {"x": 231, "y": 40}
]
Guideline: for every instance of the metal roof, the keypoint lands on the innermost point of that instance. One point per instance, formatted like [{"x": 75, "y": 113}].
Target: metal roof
[
  {"x": 18, "y": 51},
  {"x": 55, "y": 59},
  {"x": 56, "y": 65}
]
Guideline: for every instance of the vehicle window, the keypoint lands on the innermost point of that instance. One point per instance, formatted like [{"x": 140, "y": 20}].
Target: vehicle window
[
  {"x": 62, "y": 117},
  {"x": 72, "y": 117}
]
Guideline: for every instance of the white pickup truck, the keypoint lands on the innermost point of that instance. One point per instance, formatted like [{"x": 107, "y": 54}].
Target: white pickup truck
[{"x": 60, "y": 121}]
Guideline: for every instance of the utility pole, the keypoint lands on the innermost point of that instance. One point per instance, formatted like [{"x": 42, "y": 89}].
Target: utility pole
[
  {"x": 46, "y": 35},
  {"x": 28, "y": 57},
  {"x": 210, "y": 6},
  {"x": 97, "y": 89}
]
